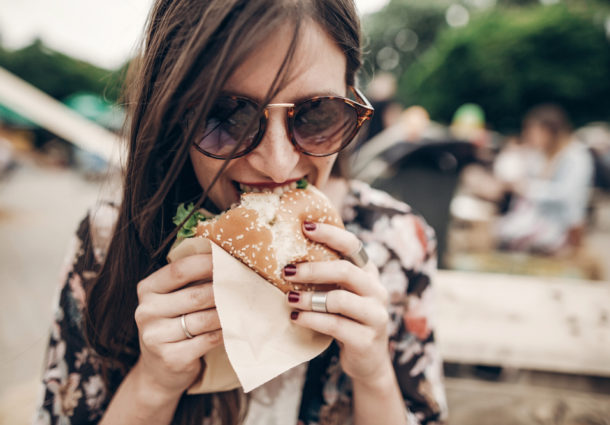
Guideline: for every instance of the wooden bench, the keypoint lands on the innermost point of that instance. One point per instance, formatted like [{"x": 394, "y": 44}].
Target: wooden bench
[
  {"x": 551, "y": 337},
  {"x": 537, "y": 323}
]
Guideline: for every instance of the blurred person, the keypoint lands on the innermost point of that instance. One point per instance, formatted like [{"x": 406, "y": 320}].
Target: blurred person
[
  {"x": 492, "y": 182},
  {"x": 548, "y": 209},
  {"x": 509, "y": 165},
  {"x": 468, "y": 123},
  {"x": 414, "y": 121},
  {"x": 130, "y": 330}
]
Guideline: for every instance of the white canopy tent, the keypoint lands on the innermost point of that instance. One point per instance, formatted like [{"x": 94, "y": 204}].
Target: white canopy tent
[{"x": 57, "y": 118}]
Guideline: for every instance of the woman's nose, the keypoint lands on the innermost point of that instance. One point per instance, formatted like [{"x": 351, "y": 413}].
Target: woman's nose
[{"x": 275, "y": 156}]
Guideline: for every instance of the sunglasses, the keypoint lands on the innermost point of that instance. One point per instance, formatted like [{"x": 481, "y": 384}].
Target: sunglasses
[{"x": 319, "y": 126}]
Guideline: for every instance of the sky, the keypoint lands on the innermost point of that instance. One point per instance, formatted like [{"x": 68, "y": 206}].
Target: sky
[{"x": 104, "y": 33}]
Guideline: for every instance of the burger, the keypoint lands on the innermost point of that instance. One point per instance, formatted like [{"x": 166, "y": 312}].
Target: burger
[{"x": 264, "y": 231}]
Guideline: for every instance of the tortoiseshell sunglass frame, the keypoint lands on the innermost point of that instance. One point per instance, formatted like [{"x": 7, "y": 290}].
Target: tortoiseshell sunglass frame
[{"x": 361, "y": 105}]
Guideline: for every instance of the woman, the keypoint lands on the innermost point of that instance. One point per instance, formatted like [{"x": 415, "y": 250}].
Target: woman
[
  {"x": 548, "y": 211},
  {"x": 196, "y": 126}
]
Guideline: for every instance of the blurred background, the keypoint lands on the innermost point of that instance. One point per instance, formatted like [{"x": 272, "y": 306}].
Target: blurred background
[{"x": 492, "y": 120}]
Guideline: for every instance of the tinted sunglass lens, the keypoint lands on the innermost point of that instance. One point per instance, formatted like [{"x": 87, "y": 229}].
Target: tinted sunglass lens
[
  {"x": 324, "y": 126},
  {"x": 226, "y": 124}
]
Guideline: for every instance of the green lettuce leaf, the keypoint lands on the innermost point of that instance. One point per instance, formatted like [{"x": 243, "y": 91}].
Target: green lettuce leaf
[{"x": 188, "y": 228}]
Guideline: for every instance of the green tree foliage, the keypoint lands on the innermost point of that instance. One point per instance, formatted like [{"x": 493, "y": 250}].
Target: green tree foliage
[
  {"x": 60, "y": 75},
  {"x": 508, "y": 60},
  {"x": 399, "y": 33}
]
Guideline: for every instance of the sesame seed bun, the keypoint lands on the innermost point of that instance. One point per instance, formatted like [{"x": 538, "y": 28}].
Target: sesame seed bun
[{"x": 264, "y": 232}]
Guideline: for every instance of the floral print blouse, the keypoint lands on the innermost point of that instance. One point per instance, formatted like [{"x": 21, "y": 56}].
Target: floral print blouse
[{"x": 397, "y": 240}]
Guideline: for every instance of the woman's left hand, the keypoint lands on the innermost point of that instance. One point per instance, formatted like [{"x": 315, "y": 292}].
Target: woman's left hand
[{"x": 357, "y": 315}]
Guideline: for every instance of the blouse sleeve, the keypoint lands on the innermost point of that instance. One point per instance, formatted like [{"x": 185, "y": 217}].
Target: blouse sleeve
[
  {"x": 407, "y": 274},
  {"x": 72, "y": 391},
  {"x": 403, "y": 248}
]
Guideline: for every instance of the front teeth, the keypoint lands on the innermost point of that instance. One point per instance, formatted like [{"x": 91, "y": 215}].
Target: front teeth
[{"x": 278, "y": 190}]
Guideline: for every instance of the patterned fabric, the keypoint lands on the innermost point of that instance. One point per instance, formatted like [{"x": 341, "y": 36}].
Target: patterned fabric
[{"x": 398, "y": 241}]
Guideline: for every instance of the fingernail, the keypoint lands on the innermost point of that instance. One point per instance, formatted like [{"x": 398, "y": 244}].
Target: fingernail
[
  {"x": 290, "y": 270},
  {"x": 294, "y": 315},
  {"x": 293, "y": 297},
  {"x": 309, "y": 226}
]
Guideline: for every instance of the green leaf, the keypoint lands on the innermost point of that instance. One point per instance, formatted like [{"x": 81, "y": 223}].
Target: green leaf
[
  {"x": 182, "y": 213},
  {"x": 302, "y": 184},
  {"x": 186, "y": 233},
  {"x": 188, "y": 228}
]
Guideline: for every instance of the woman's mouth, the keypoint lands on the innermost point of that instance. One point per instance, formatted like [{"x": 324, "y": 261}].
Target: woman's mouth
[{"x": 274, "y": 188}]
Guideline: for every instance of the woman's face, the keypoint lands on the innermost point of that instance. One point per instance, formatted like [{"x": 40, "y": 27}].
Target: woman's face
[
  {"x": 537, "y": 136},
  {"x": 318, "y": 68}
]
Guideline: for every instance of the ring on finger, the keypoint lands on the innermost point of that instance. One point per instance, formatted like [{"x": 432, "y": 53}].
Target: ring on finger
[
  {"x": 184, "y": 328},
  {"x": 359, "y": 257},
  {"x": 318, "y": 302}
]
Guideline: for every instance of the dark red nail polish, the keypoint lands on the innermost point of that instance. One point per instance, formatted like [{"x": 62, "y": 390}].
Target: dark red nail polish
[
  {"x": 290, "y": 270},
  {"x": 293, "y": 297},
  {"x": 308, "y": 225},
  {"x": 294, "y": 315}
]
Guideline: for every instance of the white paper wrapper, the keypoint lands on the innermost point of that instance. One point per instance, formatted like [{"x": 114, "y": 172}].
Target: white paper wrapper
[{"x": 260, "y": 340}]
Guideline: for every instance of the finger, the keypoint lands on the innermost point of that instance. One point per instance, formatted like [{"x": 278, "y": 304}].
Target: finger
[
  {"x": 197, "y": 346},
  {"x": 186, "y": 300},
  {"x": 344, "y": 330},
  {"x": 177, "y": 274},
  {"x": 341, "y": 272},
  {"x": 197, "y": 323},
  {"x": 170, "y": 329},
  {"x": 340, "y": 240},
  {"x": 365, "y": 310}
]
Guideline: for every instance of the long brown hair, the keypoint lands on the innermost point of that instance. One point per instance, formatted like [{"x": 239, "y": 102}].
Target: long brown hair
[{"x": 191, "y": 49}]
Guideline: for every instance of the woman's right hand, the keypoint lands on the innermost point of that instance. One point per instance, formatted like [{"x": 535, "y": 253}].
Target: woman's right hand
[{"x": 169, "y": 359}]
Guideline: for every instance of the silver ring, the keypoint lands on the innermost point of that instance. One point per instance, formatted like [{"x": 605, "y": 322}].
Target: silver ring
[
  {"x": 186, "y": 331},
  {"x": 318, "y": 302},
  {"x": 359, "y": 257}
]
